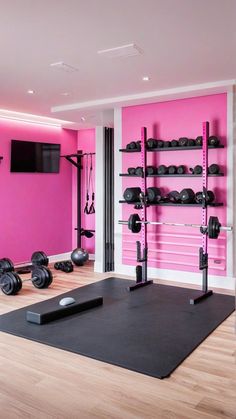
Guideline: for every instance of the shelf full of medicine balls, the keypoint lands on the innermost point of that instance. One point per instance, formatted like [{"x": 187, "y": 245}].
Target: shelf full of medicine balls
[{"x": 172, "y": 204}]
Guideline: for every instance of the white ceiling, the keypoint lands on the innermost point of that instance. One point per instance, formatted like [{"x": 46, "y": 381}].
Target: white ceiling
[{"x": 184, "y": 42}]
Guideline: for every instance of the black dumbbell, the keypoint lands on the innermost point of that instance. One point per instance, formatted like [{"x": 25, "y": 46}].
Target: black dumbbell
[
  {"x": 172, "y": 170},
  {"x": 214, "y": 169},
  {"x": 154, "y": 194},
  {"x": 213, "y": 141},
  {"x": 139, "y": 171},
  {"x": 181, "y": 170},
  {"x": 183, "y": 141},
  {"x": 131, "y": 194},
  {"x": 131, "y": 170},
  {"x": 162, "y": 170},
  {"x": 151, "y": 170},
  {"x": 11, "y": 282},
  {"x": 151, "y": 143},
  {"x": 199, "y": 140},
  {"x": 187, "y": 196},
  {"x": 197, "y": 170},
  {"x": 173, "y": 196},
  {"x": 38, "y": 258},
  {"x": 209, "y": 198},
  {"x": 65, "y": 266},
  {"x": 174, "y": 143}
]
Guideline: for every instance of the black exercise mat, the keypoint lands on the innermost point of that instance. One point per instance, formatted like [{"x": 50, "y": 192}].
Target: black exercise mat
[{"x": 150, "y": 330}]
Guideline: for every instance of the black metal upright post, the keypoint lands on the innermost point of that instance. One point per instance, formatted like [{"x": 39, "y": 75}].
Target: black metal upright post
[
  {"x": 109, "y": 199},
  {"x": 203, "y": 251},
  {"x": 79, "y": 167},
  {"x": 142, "y": 247}
]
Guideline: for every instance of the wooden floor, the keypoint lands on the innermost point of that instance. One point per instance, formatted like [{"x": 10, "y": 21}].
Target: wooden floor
[{"x": 38, "y": 381}]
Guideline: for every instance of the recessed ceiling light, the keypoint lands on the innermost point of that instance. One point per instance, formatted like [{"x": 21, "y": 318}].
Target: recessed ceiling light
[
  {"x": 31, "y": 92},
  {"x": 146, "y": 78},
  {"x": 65, "y": 94},
  {"x": 82, "y": 118}
]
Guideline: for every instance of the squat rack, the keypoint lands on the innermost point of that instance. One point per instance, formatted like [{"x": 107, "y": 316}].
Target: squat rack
[
  {"x": 76, "y": 160},
  {"x": 142, "y": 247}
]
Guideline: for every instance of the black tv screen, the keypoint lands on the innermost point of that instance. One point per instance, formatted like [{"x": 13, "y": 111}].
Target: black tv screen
[{"x": 32, "y": 157}]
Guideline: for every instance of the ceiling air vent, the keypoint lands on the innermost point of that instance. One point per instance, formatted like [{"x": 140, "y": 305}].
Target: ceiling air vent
[
  {"x": 64, "y": 67},
  {"x": 128, "y": 50}
]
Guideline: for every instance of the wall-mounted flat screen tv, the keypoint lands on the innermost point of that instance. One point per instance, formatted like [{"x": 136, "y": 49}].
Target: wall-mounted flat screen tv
[{"x": 34, "y": 157}]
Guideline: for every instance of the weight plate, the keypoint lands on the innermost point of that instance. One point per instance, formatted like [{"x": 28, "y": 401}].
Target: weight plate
[
  {"x": 6, "y": 265},
  {"x": 214, "y": 169},
  {"x": 151, "y": 143},
  {"x": 213, "y": 141},
  {"x": 133, "y": 225},
  {"x": 191, "y": 142},
  {"x": 213, "y": 227},
  {"x": 162, "y": 170},
  {"x": 151, "y": 170},
  {"x": 172, "y": 170},
  {"x": 160, "y": 144},
  {"x": 131, "y": 170},
  {"x": 131, "y": 194},
  {"x": 173, "y": 196},
  {"x": 197, "y": 170},
  {"x": 187, "y": 196},
  {"x": 139, "y": 171},
  {"x": 174, "y": 143},
  {"x": 181, "y": 170},
  {"x": 11, "y": 283},
  {"x": 183, "y": 141},
  {"x": 41, "y": 277},
  {"x": 39, "y": 258},
  {"x": 154, "y": 194},
  {"x": 199, "y": 140}
]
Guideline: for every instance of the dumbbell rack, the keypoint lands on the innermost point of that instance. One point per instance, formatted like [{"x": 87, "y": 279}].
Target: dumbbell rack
[{"x": 142, "y": 249}]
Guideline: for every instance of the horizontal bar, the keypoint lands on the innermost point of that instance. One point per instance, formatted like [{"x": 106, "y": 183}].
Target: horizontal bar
[{"x": 226, "y": 228}]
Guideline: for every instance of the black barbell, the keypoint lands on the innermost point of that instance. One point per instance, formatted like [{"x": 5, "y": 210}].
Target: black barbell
[
  {"x": 212, "y": 229},
  {"x": 11, "y": 282},
  {"x": 38, "y": 258}
]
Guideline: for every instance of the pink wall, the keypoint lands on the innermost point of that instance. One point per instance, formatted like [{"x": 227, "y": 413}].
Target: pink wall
[
  {"x": 86, "y": 143},
  {"x": 177, "y": 248},
  {"x": 36, "y": 209}
]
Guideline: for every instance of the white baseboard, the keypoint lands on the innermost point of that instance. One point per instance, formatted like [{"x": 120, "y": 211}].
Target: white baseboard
[
  {"x": 195, "y": 278},
  {"x": 59, "y": 257}
]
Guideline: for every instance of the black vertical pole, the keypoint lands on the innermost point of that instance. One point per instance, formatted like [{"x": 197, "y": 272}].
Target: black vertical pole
[
  {"x": 109, "y": 199},
  {"x": 79, "y": 162}
]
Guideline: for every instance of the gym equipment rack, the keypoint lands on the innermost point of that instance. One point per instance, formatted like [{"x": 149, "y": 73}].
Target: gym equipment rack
[
  {"x": 76, "y": 160},
  {"x": 142, "y": 248}
]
